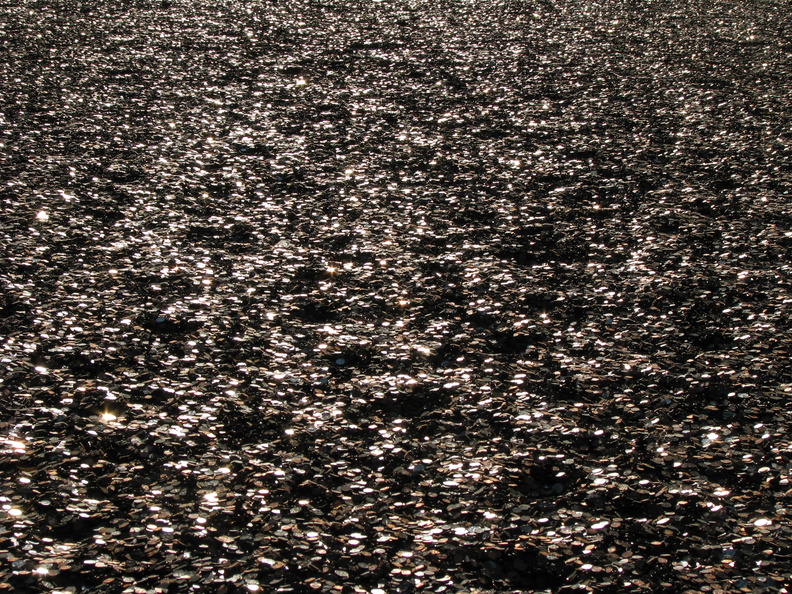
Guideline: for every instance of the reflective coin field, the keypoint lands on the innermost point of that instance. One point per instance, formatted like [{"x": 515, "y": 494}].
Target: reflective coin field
[{"x": 395, "y": 296}]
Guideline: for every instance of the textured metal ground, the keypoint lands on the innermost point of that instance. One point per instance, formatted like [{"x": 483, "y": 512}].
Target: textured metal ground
[{"x": 395, "y": 296}]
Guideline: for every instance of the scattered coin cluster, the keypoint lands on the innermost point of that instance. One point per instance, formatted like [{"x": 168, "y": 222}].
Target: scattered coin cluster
[{"x": 393, "y": 296}]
